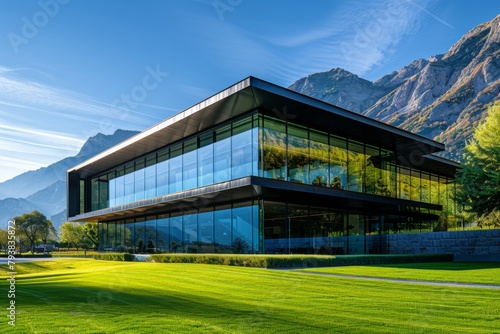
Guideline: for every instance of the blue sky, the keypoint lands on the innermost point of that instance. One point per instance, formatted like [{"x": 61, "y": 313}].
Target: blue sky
[{"x": 72, "y": 68}]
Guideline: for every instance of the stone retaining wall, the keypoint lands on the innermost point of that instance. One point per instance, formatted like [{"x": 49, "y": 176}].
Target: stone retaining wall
[{"x": 478, "y": 243}]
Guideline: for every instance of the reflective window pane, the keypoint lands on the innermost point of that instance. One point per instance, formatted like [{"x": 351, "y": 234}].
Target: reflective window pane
[
  {"x": 206, "y": 165},
  {"x": 162, "y": 177},
  {"x": 338, "y": 163},
  {"x": 298, "y": 155},
  {"x": 242, "y": 222},
  {"x": 222, "y": 230},
  {"x": 222, "y": 160},
  {"x": 242, "y": 154},
  {"x": 163, "y": 233},
  {"x": 190, "y": 170}
]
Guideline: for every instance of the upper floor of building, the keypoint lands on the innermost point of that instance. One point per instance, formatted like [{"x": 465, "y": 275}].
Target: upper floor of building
[{"x": 255, "y": 128}]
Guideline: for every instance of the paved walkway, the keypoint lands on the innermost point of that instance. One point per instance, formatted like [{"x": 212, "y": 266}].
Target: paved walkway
[
  {"x": 4, "y": 260},
  {"x": 394, "y": 280}
]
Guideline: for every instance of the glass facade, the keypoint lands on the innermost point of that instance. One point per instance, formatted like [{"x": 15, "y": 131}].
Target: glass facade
[
  {"x": 268, "y": 147},
  {"x": 225, "y": 153},
  {"x": 264, "y": 146},
  {"x": 254, "y": 227},
  {"x": 221, "y": 229}
]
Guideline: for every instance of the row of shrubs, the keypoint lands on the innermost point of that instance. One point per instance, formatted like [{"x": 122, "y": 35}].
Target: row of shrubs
[
  {"x": 297, "y": 261},
  {"x": 26, "y": 255},
  {"x": 281, "y": 261},
  {"x": 114, "y": 257}
]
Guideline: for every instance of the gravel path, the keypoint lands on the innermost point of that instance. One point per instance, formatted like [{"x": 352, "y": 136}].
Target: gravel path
[{"x": 394, "y": 280}]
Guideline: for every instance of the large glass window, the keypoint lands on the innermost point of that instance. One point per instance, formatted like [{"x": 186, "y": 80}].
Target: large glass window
[
  {"x": 222, "y": 229},
  {"x": 129, "y": 184},
  {"x": 425, "y": 187},
  {"x": 190, "y": 165},
  {"x": 415, "y": 185},
  {"x": 242, "y": 156},
  {"x": 356, "y": 234},
  {"x": 163, "y": 233},
  {"x": 120, "y": 186},
  {"x": 434, "y": 189},
  {"x": 175, "y": 169},
  {"x": 206, "y": 160},
  {"x": 242, "y": 228},
  {"x": 298, "y": 154},
  {"x": 150, "y": 233},
  {"x": 320, "y": 159},
  {"x": 338, "y": 163},
  {"x": 190, "y": 239},
  {"x": 95, "y": 194},
  {"x": 222, "y": 155},
  {"x": 274, "y": 149},
  {"x": 356, "y": 166},
  {"x": 276, "y": 228},
  {"x": 206, "y": 231},
  {"x": 150, "y": 178},
  {"x": 139, "y": 178},
  {"x": 139, "y": 236},
  {"x": 176, "y": 233}
]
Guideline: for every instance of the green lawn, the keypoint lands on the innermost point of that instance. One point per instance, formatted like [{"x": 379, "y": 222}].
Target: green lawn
[
  {"x": 461, "y": 272},
  {"x": 88, "y": 296}
]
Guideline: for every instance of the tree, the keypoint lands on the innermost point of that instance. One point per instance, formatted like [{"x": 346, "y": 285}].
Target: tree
[
  {"x": 34, "y": 226},
  {"x": 92, "y": 233},
  {"x": 479, "y": 176},
  {"x": 4, "y": 239},
  {"x": 48, "y": 232},
  {"x": 75, "y": 234}
]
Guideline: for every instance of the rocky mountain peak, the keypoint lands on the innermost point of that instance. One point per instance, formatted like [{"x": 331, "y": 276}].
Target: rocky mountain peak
[
  {"x": 340, "y": 87},
  {"x": 442, "y": 97},
  {"x": 100, "y": 142}
]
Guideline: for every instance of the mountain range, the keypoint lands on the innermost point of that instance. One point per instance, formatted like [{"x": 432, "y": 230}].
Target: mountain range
[
  {"x": 442, "y": 97},
  {"x": 45, "y": 189}
]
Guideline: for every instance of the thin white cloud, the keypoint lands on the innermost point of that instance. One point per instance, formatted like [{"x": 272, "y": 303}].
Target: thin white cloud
[
  {"x": 43, "y": 135},
  {"x": 41, "y": 124},
  {"x": 358, "y": 37},
  {"x": 19, "y": 164}
]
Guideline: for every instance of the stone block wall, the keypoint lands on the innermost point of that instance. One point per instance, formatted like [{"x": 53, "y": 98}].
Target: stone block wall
[{"x": 463, "y": 244}]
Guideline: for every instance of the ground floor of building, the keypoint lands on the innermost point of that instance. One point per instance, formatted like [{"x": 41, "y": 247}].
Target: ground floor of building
[{"x": 262, "y": 226}]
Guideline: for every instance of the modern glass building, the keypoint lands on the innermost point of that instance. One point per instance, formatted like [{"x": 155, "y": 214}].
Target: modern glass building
[{"x": 258, "y": 168}]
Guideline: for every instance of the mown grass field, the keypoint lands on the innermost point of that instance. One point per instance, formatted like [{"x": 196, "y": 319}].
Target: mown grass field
[
  {"x": 454, "y": 272},
  {"x": 89, "y": 296}
]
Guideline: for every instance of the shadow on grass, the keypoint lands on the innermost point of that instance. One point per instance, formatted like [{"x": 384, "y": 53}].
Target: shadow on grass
[{"x": 83, "y": 303}]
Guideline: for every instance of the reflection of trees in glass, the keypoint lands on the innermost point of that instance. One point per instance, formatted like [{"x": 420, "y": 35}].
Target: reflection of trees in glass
[
  {"x": 319, "y": 181},
  {"x": 145, "y": 232},
  {"x": 140, "y": 246},
  {"x": 336, "y": 183},
  {"x": 114, "y": 236},
  {"x": 239, "y": 246},
  {"x": 338, "y": 167},
  {"x": 355, "y": 171},
  {"x": 298, "y": 159},
  {"x": 274, "y": 154},
  {"x": 150, "y": 247}
]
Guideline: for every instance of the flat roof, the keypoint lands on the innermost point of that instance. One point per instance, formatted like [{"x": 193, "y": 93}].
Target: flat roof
[{"x": 250, "y": 94}]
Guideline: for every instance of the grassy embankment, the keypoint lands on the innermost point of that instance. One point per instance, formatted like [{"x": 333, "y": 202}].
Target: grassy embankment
[{"x": 89, "y": 296}]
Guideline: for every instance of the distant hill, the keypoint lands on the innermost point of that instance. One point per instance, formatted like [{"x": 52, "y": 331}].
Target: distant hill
[
  {"x": 45, "y": 189},
  {"x": 443, "y": 97}
]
